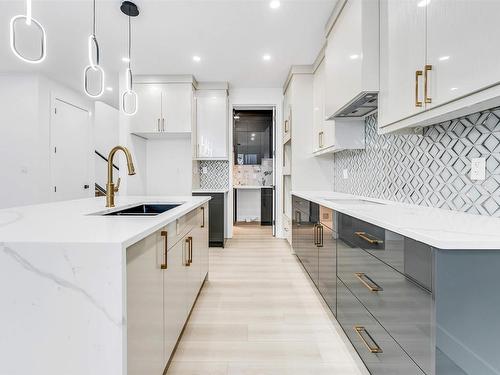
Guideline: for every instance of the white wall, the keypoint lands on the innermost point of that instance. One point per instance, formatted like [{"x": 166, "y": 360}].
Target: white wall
[
  {"x": 106, "y": 136},
  {"x": 169, "y": 166},
  {"x": 248, "y": 205},
  {"x": 270, "y": 97},
  {"x": 26, "y": 104}
]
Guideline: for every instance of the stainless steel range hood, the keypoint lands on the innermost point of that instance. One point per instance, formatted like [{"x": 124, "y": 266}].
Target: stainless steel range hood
[{"x": 362, "y": 105}]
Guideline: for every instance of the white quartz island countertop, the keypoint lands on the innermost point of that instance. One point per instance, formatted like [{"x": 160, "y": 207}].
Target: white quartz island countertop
[
  {"x": 440, "y": 228},
  {"x": 81, "y": 221},
  {"x": 63, "y": 282}
]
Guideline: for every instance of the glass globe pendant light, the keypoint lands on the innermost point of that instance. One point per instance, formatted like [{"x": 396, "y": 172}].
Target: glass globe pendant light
[
  {"x": 29, "y": 20},
  {"x": 130, "y": 100},
  {"x": 93, "y": 66}
]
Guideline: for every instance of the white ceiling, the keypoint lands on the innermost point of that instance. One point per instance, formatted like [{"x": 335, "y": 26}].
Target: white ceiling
[{"x": 230, "y": 36}]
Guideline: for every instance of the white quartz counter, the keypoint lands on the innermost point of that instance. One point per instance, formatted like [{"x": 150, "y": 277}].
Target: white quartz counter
[
  {"x": 74, "y": 222},
  {"x": 208, "y": 191},
  {"x": 253, "y": 187},
  {"x": 443, "y": 229}
]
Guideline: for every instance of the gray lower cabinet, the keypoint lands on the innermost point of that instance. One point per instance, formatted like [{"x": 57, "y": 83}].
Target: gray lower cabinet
[
  {"x": 217, "y": 210},
  {"x": 305, "y": 235},
  {"x": 407, "y": 308}
]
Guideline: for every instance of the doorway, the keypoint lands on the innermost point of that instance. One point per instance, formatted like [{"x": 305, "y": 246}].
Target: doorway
[
  {"x": 254, "y": 167},
  {"x": 71, "y": 154}
]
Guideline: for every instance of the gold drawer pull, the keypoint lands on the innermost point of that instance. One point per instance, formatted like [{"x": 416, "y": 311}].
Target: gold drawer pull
[
  {"x": 418, "y": 103},
  {"x": 164, "y": 234},
  {"x": 370, "y": 284},
  {"x": 427, "y": 98},
  {"x": 369, "y": 238},
  {"x": 203, "y": 216},
  {"x": 370, "y": 344}
]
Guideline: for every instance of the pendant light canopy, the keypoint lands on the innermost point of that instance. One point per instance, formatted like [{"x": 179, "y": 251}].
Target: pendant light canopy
[
  {"x": 130, "y": 100},
  {"x": 94, "y": 66},
  {"x": 29, "y": 20}
]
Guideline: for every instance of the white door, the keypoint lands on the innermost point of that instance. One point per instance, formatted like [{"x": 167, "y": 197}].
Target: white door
[
  {"x": 71, "y": 150},
  {"x": 211, "y": 123},
  {"x": 148, "y": 116},
  {"x": 460, "y": 49},
  {"x": 402, "y": 55},
  {"x": 177, "y": 101}
]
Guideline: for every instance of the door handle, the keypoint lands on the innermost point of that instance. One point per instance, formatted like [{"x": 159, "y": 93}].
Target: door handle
[
  {"x": 163, "y": 124},
  {"x": 427, "y": 98},
  {"x": 369, "y": 342},
  {"x": 164, "y": 265},
  {"x": 203, "y": 216},
  {"x": 418, "y": 74},
  {"x": 368, "y": 282},
  {"x": 158, "y": 125}
]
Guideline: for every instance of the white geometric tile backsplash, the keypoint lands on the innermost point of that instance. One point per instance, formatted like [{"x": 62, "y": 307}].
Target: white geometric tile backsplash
[
  {"x": 217, "y": 176},
  {"x": 429, "y": 170}
]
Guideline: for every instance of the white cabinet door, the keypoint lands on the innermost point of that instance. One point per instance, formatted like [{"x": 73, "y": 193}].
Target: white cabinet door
[
  {"x": 323, "y": 131},
  {"x": 402, "y": 54},
  {"x": 200, "y": 245},
  {"x": 177, "y": 101},
  {"x": 174, "y": 297},
  {"x": 211, "y": 123},
  {"x": 460, "y": 49},
  {"x": 148, "y": 116},
  {"x": 145, "y": 307}
]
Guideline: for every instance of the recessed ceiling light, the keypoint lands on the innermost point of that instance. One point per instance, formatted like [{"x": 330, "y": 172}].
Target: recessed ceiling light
[
  {"x": 253, "y": 134},
  {"x": 125, "y": 59},
  {"x": 266, "y": 57},
  {"x": 109, "y": 88},
  {"x": 423, "y": 3},
  {"x": 196, "y": 58},
  {"x": 275, "y": 4},
  {"x": 354, "y": 57},
  {"x": 454, "y": 88},
  {"x": 444, "y": 58}
]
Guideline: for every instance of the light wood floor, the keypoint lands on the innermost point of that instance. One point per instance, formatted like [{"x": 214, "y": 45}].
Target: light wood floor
[{"x": 259, "y": 314}]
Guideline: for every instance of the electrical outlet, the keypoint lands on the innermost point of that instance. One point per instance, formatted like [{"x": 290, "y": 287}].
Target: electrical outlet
[
  {"x": 345, "y": 174},
  {"x": 478, "y": 169},
  {"x": 205, "y": 170}
]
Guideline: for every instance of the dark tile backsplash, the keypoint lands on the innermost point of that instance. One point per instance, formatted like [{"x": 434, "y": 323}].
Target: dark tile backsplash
[{"x": 429, "y": 170}]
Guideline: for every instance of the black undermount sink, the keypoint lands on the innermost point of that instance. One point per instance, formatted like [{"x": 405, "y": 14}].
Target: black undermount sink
[{"x": 143, "y": 210}]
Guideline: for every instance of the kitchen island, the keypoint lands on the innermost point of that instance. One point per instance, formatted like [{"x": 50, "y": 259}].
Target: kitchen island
[{"x": 84, "y": 292}]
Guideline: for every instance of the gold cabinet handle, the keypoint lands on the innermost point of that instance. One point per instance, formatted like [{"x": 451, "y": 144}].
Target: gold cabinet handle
[
  {"x": 315, "y": 233},
  {"x": 203, "y": 216},
  {"x": 320, "y": 139},
  {"x": 164, "y": 265},
  {"x": 369, "y": 238},
  {"x": 368, "y": 282},
  {"x": 427, "y": 98},
  {"x": 320, "y": 236},
  {"x": 418, "y": 103},
  {"x": 190, "y": 254},
  {"x": 286, "y": 126},
  {"x": 369, "y": 342},
  {"x": 187, "y": 262}
]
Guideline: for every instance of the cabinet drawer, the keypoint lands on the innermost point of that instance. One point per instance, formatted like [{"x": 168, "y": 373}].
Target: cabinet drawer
[
  {"x": 370, "y": 337},
  {"x": 383, "y": 244},
  {"x": 402, "y": 307}
]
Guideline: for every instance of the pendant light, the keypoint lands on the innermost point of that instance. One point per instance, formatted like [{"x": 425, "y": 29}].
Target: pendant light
[
  {"x": 129, "y": 96},
  {"x": 29, "y": 20},
  {"x": 93, "y": 64}
]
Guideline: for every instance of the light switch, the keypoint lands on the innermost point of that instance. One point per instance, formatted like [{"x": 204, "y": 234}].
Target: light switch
[
  {"x": 478, "y": 169},
  {"x": 345, "y": 174}
]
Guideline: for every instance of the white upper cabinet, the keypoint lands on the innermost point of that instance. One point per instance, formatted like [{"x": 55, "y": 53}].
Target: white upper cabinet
[
  {"x": 459, "y": 47},
  {"x": 211, "y": 124},
  {"x": 437, "y": 62},
  {"x": 402, "y": 60},
  {"x": 163, "y": 108},
  {"x": 323, "y": 135},
  {"x": 352, "y": 60}
]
